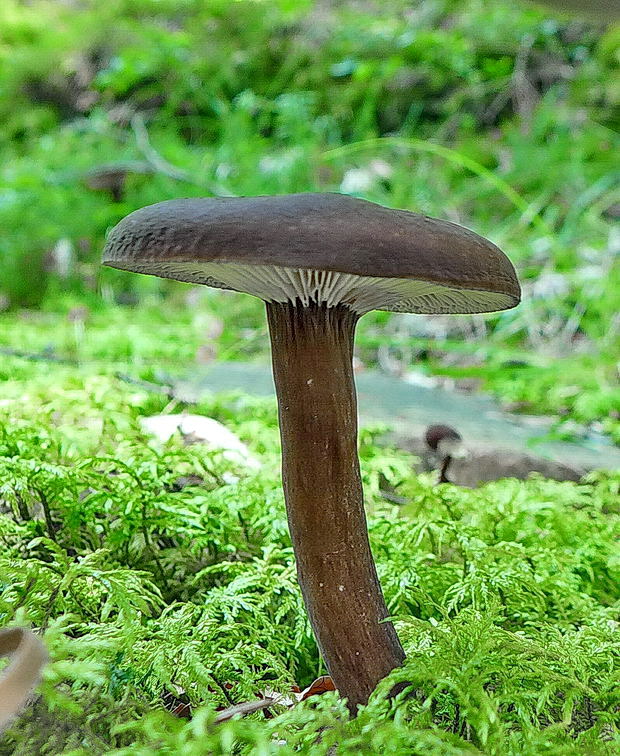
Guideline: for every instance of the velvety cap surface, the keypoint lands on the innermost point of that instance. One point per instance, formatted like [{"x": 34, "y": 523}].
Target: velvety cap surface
[{"x": 321, "y": 247}]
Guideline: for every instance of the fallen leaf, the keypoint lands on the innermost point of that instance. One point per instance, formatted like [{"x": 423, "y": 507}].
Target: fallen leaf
[{"x": 321, "y": 685}]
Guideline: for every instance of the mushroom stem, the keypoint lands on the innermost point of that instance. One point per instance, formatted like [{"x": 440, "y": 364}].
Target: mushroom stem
[
  {"x": 443, "y": 473},
  {"x": 312, "y": 350}
]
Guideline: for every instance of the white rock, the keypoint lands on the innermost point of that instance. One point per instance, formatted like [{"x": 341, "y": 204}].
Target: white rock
[
  {"x": 200, "y": 429},
  {"x": 357, "y": 180},
  {"x": 418, "y": 378}
]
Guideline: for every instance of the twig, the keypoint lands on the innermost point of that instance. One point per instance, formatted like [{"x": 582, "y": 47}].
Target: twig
[
  {"x": 172, "y": 392},
  {"x": 25, "y": 591},
  {"x": 166, "y": 390},
  {"x": 160, "y": 164},
  {"x": 248, "y": 707},
  {"x": 37, "y": 356},
  {"x": 394, "y": 498},
  {"x": 156, "y": 388}
]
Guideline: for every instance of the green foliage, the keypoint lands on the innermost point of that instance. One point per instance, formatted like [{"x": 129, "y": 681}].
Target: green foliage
[
  {"x": 157, "y": 570},
  {"x": 494, "y": 115},
  {"x": 506, "y": 597}
]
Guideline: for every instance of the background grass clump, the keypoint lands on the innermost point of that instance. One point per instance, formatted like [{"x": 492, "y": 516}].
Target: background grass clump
[
  {"x": 152, "y": 576},
  {"x": 500, "y": 116}
]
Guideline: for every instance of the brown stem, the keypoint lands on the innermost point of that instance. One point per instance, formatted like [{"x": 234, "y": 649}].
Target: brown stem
[
  {"x": 443, "y": 473},
  {"x": 312, "y": 350}
]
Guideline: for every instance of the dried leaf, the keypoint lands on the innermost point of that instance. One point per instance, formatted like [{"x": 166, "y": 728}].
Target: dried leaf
[
  {"x": 321, "y": 685},
  {"x": 21, "y": 676}
]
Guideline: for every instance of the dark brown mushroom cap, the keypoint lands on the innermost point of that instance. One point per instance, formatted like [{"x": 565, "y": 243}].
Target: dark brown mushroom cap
[
  {"x": 196, "y": 240},
  {"x": 435, "y": 434}
]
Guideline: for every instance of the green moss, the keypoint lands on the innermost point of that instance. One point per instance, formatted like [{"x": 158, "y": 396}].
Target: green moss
[{"x": 506, "y": 598}]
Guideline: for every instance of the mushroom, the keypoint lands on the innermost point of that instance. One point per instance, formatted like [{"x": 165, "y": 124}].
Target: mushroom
[
  {"x": 21, "y": 676},
  {"x": 113, "y": 177},
  {"x": 320, "y": 261},
  {"x": 447, "y": 443}
]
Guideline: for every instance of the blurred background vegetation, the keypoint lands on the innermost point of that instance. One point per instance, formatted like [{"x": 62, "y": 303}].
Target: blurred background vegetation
[{"x": 497, "y": 115}]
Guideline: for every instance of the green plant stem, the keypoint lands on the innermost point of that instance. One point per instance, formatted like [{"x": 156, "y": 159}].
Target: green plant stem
[{"x": 452, "y": 156}]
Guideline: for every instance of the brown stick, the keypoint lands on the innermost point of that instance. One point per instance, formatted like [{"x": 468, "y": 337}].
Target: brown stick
[
  {"x": 242, "y": 709},
  {"x": 312, "y": 349}
]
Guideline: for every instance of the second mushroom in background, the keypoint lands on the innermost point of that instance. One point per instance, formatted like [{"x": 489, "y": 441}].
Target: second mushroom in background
[{"x": 447, "y": 443}]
